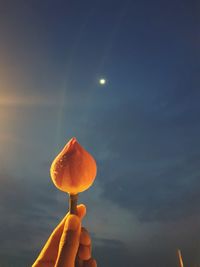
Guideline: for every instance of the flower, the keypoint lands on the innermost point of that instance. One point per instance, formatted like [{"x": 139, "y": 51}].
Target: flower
[{"x": 74, "y": 169}]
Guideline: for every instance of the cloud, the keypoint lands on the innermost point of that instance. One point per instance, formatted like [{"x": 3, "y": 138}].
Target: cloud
[
  {"x": 31, "y": 208},
  {"x": 157, "y": 192},
  {"x": 157, "y": 249},
  {"x": 28, "y": 212},
  {"x": 148, "y": 157},
  {"x": 112, "y": 253}
]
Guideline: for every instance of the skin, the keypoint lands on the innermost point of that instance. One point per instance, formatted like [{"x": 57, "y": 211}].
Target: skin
[{"x": 69, "y": 245}]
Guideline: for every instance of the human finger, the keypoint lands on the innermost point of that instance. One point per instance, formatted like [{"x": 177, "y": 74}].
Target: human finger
[
  {"x": 84, "y": 252},
  {"x": 85, "y": 237},
  {"x": 49, "y": 253},
  {"x": 81, "y": 211},
  {"x": 90, "y": 263},
  {"x": 69, "y": 242}
]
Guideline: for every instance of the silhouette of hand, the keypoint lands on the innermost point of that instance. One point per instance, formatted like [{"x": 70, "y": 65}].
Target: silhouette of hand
[{"x": 69, "y": 245}]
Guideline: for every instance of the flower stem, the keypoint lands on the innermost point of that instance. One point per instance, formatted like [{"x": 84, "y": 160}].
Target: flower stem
[{"x": 73, "y": 199}]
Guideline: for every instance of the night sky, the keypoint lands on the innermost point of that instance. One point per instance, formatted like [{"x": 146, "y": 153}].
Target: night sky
[{"x": 142, "y": 127}]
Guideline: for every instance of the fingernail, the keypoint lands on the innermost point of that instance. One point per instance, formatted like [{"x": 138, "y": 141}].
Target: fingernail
[{"x": 72, "y": 223}]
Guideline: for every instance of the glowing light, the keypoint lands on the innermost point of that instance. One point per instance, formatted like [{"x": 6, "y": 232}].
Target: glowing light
[{"x": 102, "y": 81}]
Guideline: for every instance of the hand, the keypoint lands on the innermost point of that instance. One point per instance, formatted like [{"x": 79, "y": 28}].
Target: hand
[{"x": 69, "y": 245}]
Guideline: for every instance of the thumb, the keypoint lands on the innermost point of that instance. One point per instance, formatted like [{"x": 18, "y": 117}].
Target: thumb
[{"x": 69, "y": 242}]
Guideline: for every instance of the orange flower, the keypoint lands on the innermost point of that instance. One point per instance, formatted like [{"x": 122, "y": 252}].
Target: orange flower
[{"x": 74, "y": 169}]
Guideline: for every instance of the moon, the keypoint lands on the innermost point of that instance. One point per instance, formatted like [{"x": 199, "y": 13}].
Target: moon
[{"x": 102, "y": 81}]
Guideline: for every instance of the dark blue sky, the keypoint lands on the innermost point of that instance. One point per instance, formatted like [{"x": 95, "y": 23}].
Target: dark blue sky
[{"x": 143, "y": 127}]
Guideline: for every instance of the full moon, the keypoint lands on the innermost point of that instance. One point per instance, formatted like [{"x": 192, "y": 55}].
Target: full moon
[{"x": 102, "y": 81}]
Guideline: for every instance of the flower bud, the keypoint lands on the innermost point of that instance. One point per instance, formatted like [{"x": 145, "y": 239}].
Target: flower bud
[{"x": 74, "y": 169}]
